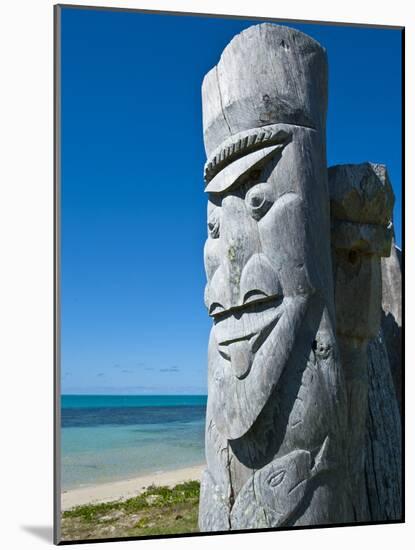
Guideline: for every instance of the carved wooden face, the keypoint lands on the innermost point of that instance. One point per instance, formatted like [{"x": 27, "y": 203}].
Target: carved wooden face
[{"x": 260, "y": 274}]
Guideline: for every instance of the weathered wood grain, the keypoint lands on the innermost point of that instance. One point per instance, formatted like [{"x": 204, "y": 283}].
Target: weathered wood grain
[
  {"x": 383, "y": 443},
  {"x": 361, "y": 197},
  {"x": 276, "y": 420},
  {"x": 392, "y": 316},
  {"x": 302, "y": 424}
]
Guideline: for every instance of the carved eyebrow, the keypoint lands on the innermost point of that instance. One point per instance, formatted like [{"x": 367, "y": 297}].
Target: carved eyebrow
[
  {"x": 243, "y": 143},
  {"x": 231, "y": 175}
]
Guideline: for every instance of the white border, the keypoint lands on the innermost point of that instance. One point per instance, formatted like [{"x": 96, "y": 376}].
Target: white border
[{"x": 26, "y": 223}]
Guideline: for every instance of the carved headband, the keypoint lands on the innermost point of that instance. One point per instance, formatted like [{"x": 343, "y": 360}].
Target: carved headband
[{"x": 241, "y": 144}]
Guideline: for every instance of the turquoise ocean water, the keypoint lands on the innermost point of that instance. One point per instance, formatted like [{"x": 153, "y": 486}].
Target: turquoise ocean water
[{"x": 106, "y": 438}]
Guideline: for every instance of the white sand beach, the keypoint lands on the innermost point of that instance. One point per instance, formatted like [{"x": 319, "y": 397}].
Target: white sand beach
[{"x": 127, "y": 488}]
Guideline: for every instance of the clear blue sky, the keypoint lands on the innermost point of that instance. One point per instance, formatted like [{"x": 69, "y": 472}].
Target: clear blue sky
[{"x": 133, "y": 207}]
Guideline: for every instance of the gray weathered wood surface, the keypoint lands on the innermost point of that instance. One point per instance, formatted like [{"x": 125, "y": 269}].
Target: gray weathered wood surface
[
  {"x": 297, "y": 428},
  {"x": 361, "y": 197},
  {"x": 392, "y": 315},
  {"x": 276, "y": 419},
  {"x": 383, "y": 445}
]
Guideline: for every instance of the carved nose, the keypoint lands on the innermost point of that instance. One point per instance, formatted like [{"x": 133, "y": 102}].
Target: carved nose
[
  {"x": 217, "y": 292},
  {"x": 257, "y": 280}
]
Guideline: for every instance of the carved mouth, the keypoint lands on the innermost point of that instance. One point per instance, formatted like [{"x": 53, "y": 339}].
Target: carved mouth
[
  {"x": 251, "y": 300},
  {"x": 240, "y": 332}
]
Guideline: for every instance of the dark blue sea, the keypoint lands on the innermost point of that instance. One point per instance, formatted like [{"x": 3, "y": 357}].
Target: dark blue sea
[{"x": 110, "y": 437}]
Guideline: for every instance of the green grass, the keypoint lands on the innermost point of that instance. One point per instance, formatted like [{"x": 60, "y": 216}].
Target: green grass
[{"x": 156, "y": 511}]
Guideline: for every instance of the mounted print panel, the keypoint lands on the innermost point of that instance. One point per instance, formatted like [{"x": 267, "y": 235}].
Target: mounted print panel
[{"x": 229, "y": 295}]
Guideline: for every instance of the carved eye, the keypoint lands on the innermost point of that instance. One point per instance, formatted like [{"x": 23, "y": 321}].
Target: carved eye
[
  {"x": 277, "y": 478},
  {"x": 259, "y": 200},
  {"x": 213, "y": 225}
]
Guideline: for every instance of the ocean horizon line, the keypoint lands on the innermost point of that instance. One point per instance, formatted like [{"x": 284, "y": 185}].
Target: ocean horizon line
[
  {"x": 134, "y": 394},
  {"x": 117, "y": 401}
]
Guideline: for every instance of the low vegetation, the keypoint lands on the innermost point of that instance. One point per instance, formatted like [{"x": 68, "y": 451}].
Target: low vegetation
[{"x": 156, "y": 511}]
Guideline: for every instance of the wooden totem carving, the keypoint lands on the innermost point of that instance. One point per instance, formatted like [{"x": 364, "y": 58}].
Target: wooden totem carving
[
  {"x": 361, "y": 208},
  {"x": 276, "y": 426}
]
